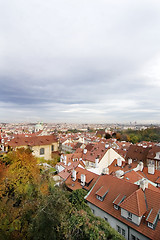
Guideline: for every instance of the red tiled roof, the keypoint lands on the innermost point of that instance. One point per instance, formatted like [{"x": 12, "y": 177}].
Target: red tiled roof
[
  {"x": 119, "y": 199},
  {"x": 98, "y": 151},
  {"x": 151, "y": 177},
  {"x": 135, "y": 203},
  {"x": 153, "y": 188},
  {"x": 137, "y": 152},
  {"x": 32, "y": 141},
  {"x": 119, "y": 186},
  {"x": 68, "y": 170},
  {"x": 126, "y": 167},
  {"x": 151, "y": 216},
  {"x": 102, "y": 191},
  {"x": 158, "y": 180},
  {"x": 133, "y": 176},
  {"x": 90, "y": 179},
  {"x": 152, "y": 152}
]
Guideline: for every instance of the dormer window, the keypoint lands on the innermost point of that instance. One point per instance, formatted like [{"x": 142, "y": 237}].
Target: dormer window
[
  {"x": 150, "y": 225},
  {"x": 152, "y": 218},
  {"x": 118, "y": 200},
  {"x": 100, "y": 198},
  {"x": 116, "y": 207},
  {"x": 129, "y": 216},
  {"x": 101, "y": 193}
]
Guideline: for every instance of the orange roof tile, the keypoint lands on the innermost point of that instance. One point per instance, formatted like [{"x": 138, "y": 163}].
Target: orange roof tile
[
  {"x": 119, "y": 186},
  {"x": 90, "y": 179},
  {"x": 152, "y": 216},
  {"x": 102, "y": 191},
  {"x": 119, "y": 199},
  {"x": 32, "y": 141},
  {"x": 135, "y": 203}
]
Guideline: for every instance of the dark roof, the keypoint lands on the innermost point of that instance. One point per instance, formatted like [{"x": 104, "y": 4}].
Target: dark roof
[
  {"x": 152, "y": 152},
  {"x": 138, "y": 153}
]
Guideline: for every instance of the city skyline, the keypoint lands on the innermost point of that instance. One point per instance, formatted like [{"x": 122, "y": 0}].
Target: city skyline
[{"x": 78, "y": 61}]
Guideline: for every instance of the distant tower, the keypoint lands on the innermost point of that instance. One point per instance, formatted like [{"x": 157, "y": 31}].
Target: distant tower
[{"x": 38, "y": 127}]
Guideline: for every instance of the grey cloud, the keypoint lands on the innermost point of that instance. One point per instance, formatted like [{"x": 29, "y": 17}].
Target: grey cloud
[{"x": 79, "y": 60}]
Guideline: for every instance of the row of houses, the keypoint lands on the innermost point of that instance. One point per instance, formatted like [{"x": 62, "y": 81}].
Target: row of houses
[
  {"x": 134, "y": 211},
  {"x": 122, "y": 180},
  {"x": 122, "y": 189}
]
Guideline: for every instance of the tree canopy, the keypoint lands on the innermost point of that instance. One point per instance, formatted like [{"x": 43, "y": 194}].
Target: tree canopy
[{"x": 32, "y": 208}]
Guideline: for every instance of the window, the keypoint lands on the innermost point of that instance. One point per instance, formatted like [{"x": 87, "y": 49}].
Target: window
[
  {"x": 41, "y": 151},
  {"x": 100, "y": 198},
  {"x": 123, "y": 232},
  {"x": 129, "y": 216},
  {"x": 52, "y": 148},
  {"x": 116, "y": 207},
  {"x": 150, "y": 225},
  {"x": 134, "y": 238},
  {"x": 118, "y": 229}
]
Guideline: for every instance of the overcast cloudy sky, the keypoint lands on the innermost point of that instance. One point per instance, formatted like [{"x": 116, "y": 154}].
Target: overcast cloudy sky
[{"x": 80, "y": 60}]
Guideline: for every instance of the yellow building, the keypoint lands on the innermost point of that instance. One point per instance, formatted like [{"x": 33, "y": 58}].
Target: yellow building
[{"x": 41, "y": 146}]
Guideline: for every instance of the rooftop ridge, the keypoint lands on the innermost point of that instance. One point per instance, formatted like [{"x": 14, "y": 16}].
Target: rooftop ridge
[{"x": 138, "y": 203}]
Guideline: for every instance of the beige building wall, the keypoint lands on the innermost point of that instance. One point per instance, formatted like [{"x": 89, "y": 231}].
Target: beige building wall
[
  {"x": 47, "y": 150},
  {"x": 107, "y": 160}
]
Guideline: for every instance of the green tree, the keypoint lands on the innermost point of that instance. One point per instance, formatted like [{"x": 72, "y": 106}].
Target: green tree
[
  {"x": 19, "y": 194},
  {"x": 51, "y": 218},
  {"x": 67, "y": 216}
]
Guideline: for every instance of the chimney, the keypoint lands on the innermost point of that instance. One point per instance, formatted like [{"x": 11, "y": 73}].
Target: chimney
[
  {"x": 74, "y": 175},
  {"x": 84, "y": 151},
  {"x": 129, "y": 160},
  {"x": 143, "y": 184},
  {"x": 65, "y": 160},
  {"x": 96, "y": 162},
  {"x": 106, "y": 145},
  {"x": 61, "y": 158},
  {"x": 105, "y": 171},
  {"x": 83, "y": 179},
  {"x": 119, "y": 173},
  {"x": 140, "y": 166},
  {"x": 151, "y": 168},
  {"x": 119, "y": 162}
]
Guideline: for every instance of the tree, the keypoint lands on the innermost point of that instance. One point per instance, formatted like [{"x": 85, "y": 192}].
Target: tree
[
  {"x": 32, "y": 208},
  {"x": 77, "y": 198},
  {"x": 50, "y": 221},
  {"x": 107, "y": 136},
  {"x": 19, "y": 194},
  {"x": 67, "y": 216}
]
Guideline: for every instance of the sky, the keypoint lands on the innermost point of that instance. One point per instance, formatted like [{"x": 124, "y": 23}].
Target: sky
[{"x": 94, "y": 61}]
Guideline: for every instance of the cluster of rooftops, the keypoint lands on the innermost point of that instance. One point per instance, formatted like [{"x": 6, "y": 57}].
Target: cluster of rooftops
[
  {"x": 128, "y": 189},
  {"x": 136, "y": 206}
]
